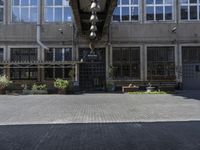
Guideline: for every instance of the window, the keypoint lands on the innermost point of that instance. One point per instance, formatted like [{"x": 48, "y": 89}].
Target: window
[
  {"x": 58, "y": 54},
  {"x": 1, "y": 10},
  {"x": 1, "y": 54},
  {"x": 23, "y": 54},
  {"x": 159, "y": 10},
  {"x": 190, "y": 9},
  {"x": 57, "y": 72},
  {"x": 191, "y": 54},
  {"x": 24, "y": 10},
  {"x": 23, "y": 73},
  {"x": 57, "y": 11},
  {"x": 127, "y": 10},
  {"x": 126, "y": 63},
  {"x": 161, "y": 63}
]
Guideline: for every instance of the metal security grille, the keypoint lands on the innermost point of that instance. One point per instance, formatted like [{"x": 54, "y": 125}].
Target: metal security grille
[
  {"x": 191, "y": 67},
  {"x": 161, "y": 63},
  {"x": 92, "y": 73}
]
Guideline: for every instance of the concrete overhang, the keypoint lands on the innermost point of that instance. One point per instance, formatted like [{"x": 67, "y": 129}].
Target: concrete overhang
[{"x": 82, "y": 13}]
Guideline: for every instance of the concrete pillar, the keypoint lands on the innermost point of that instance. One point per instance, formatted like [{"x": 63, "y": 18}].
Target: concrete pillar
[
  {"x": 107, "y": 61},
  {"x": 145, "y": 62},
  {"x": 142, "y": 63}
]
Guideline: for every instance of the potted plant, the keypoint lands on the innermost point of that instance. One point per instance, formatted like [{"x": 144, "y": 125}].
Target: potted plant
[
  {"x": 150, "y": 88},
  {"x": 61, "y": 85},
  {"x": 39, "y": 89},
  {"x": 4, "y": 82}
]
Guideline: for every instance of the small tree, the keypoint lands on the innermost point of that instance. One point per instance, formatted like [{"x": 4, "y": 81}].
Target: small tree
[
  {"x": 4, "y": 82},
  {"x": 62, "y": 85}
]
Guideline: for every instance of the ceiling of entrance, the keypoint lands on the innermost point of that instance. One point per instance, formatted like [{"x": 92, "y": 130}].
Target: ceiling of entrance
[{"x": 81, "y": 11}]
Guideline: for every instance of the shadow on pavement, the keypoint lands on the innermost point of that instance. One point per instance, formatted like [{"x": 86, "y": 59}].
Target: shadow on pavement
[
  {"x": 102, "y": 136},
  {"x": 189, "y": 94}
]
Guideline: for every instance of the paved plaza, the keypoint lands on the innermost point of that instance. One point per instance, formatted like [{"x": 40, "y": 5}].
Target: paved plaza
[{"x": 100, "y": 122}]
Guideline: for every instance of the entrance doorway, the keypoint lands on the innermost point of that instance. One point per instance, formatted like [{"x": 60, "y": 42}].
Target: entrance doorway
[
  {"x": 92, "y": 70},
  {"x": 191, "y": 67}
]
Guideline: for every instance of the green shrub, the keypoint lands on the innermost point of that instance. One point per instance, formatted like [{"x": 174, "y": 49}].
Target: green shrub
[
  {"x": 4, "y": 82},
  {"x": 39, "y": 87},
  {"x": 61, "y": 84}
]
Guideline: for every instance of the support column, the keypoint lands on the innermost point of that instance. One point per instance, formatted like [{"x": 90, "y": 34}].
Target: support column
[
  {"x": 145, "y": 62},
  {"x": 142, "y": 63}
]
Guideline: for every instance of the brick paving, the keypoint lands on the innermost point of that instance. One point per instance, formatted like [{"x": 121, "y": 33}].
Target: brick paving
[{"x": 100, "y": 122}]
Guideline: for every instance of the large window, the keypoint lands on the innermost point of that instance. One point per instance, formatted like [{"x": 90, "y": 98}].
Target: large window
[
  {"x": 190, "y": 9},
  {"x": 57, "y": 11},
  {"x": 23, "y": 73},
  {"x": 191, "y": 54},
  {"x": 159, "y": 10},
  {"x": 126, "y": 63},
  {"x": 58, "y": 54},
  {"x": 161, "y": 63},
  {"x": 127, "y": 10},
  {"x": 54, "y": 72},
  {"x": 23, "y": 54},
  {"x": 1, "y": 10},
  {"x": 24, "y": 10}
]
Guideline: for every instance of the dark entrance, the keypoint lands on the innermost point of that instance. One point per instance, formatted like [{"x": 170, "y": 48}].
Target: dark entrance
[{"x": 92, "y": 72}]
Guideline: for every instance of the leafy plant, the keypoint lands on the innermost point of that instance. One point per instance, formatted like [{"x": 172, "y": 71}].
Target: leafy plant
[
  {"x": 71, "y": 74},
  {"x": 4, "y": 82},
  {"x": 61, "y": 84},
  {"x": 39, "y": 87},
  {"x": 112, "y": 71}
]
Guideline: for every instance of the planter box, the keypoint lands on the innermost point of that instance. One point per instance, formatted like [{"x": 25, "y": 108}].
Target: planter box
[
  {"x": 35, "y": 92},
  {"x": 151, "y": 89}
]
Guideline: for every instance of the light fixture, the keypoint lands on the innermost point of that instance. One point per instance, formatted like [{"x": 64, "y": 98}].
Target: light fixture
[
  {"x": 93, "y": 28},
  {"x": 94, "y": 18},
  {"x": 93, "y": 35},
  {"x": 95, "y": 5}
]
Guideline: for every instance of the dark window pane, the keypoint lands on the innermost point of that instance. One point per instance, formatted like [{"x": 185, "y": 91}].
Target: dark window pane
[
  {"x": 150, "y": 13},
  {"x": 184, "y": 12},
  {"x": 1, "y": 3},
  {"x": 168, "y": 13},
  {"x": 149, "y": 1},
  {"x": 159, "y": 1},
  {"x": 68, "y": 54},
  {"x": 15, "y": 15},
  {"x": 16, "y": 2},
  {"x": 193, "y": 1},
  {"x": 58, "y": 2},
  {"x": 48, "y": 73},
  {"x": 1, "y": 14},
  {"x": 49, "y": 55},
  {"x": 159, "y": 13},
  {"x": 134, "y": 2},
  {"x": 184, "y": 1},
  {"x": 1, "y": 54},
  {"x": 134, "y": 13},
  {"x": 116, "y": 14},
  {"x": 58, "y": 54},
  {"x": 125, "y": 2},
  {"x": 33, "y": 2},
  {"x": 58, "y": 72},
  {"x": 193, "y": 12},
  {"x": 125, "y": 13}
]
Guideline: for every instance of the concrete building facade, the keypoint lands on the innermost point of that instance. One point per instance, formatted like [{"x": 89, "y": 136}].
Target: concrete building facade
[{"x": 153, "y": 41}]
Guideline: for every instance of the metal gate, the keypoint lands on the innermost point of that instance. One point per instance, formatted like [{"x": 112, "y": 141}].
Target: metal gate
[
  {"x": 191, "y": 67},
  {"x": 92, "y": 71}
]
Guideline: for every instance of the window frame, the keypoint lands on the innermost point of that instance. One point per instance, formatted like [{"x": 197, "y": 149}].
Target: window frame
[
  {"x": 188, "y": 8},
  {"x": 176, "y": 63},
  {"x": 54, "y": 7},
  {"x": 63, "y": 54},
  {"x": 139, "y": 6},
  {"x": 4, "y": 12},
  {"x": 29, "y": 11},
  {"x": 174, "y": 12},
  {"x": 140, "y": 61}
]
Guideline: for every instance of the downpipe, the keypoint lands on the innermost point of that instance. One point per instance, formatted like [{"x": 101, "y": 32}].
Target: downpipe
[{"x": 39, "y": 27}]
